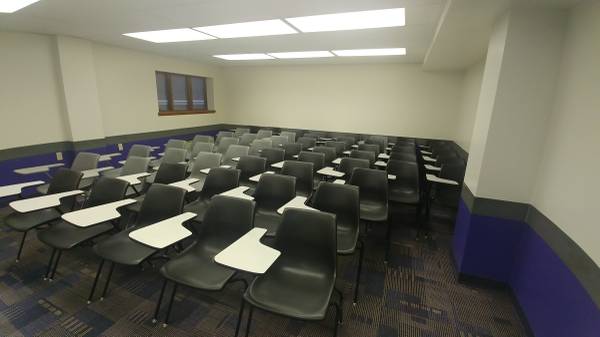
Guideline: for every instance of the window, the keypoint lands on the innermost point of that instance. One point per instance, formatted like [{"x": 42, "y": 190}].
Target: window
[{"x": 181, "y": 94}]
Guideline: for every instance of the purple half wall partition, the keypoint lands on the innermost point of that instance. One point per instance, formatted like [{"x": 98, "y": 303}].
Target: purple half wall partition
[{"x": 550, "y": 295}]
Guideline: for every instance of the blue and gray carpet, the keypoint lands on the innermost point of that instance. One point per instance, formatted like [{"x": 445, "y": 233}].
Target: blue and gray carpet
[{"x": 416, "y": 295}]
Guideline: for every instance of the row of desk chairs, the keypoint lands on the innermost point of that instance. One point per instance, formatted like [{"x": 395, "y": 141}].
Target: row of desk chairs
[{"x": 163, "y": 201}]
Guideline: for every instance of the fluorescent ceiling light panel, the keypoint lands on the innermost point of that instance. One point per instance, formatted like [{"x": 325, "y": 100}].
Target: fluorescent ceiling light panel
[
  {"x": 393, "y": 17},
  {"x": 170, "y": 35},
  {"x": 371, "y": 52},
  {"x": 301, "y": 54},
  {"x": 244, "y": 57},
  {"x": 247, "y": 29},
  {"x": 11, "y": 6}
]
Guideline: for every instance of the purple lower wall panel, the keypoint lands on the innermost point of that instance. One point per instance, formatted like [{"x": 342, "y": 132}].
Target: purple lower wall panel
[
  {"x": 490, "y": 246},
  {"x": 555, "y": 303},
  {"x": 461, "y": 233}
]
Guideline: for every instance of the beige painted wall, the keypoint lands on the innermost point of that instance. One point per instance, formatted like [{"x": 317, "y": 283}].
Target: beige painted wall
[
  {"x": 60, "y": 88},
  {"x": 567, "y": 178},
  {"x": 393, "y": 99},
  {"x": 31, "y": 107},
  {"x": 468, "y": 107},
  {"x": 127, "y": 91},
  {"x": 78, "y": 78}
]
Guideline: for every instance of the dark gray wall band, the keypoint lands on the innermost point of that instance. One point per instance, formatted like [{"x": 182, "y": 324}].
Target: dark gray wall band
[{"x": 33, "y": 150}]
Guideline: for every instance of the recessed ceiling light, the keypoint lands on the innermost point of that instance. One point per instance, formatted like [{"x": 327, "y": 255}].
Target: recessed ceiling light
[
  {"x": 393, "y": 17},
  {"x": 11, "y": 6},
  {"x": 301, "y": 54},
  {"x": 244, "y": 57},
  {"x": 370, "y": 52},
  {"x": 170, "y": 35},
  {"x": 246, "y": 29}
]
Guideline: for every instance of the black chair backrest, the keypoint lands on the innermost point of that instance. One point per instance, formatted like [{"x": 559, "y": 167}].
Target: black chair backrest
[
  {"x": 170, "y": 173},
  {"x": 339, "y": 147},
  {"x": 403, "y": 156},
  {"x": 318, "y": 159},
  {"x": 373, "y": 184},
  {"x": 307, "y": 239},
  {"x": 161, "y": 202},
  {"x": 303, "y": 171},
  {"x": 329, "y": 153},
  {"x": 341, "y": 200},
  {"x": 348, "y": 140},
  {"x": 291, "y": 149},
  {"x": 347, "y": 165},
  {"x": 406, "y": 172},
  {"x": 138, "y": 150},
  {"x": 368, "y": 155},
  {"x": 272, "y": 155},
  {"x": 307, "y": 142},
  {"x": 64, "y": 180},
  {"x": 403, "y": 149},
  {"x": 381, "y": 141},
  {"x": 219, "y": 180},
  {"x": 250, "y": 166},
  {"x": 106, "y": 190},
  {"x": 227, "y": 218},
  {"x": 274, "y": 190},
  {"x": 454, "y": 172},
  {"x": 370, "y": 147}
]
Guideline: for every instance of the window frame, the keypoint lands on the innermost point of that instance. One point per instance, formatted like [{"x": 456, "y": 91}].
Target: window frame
[{"x": 189, "y": 94}]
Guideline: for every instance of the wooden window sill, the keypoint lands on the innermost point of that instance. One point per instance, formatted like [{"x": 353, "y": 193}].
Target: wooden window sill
[{"x": 177, "y": 113}]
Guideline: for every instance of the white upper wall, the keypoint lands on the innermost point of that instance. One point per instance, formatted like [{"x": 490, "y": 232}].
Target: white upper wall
[
  {"x": 567, "y": 182},
  {"x": 32, "y": 105},
  {"x": 391, "y": 99},
  {"x": 468, "y": 107},
  {"x": 127, "y": 91}
]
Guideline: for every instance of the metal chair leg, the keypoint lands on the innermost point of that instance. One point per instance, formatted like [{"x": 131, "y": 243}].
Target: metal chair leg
[
  {"x": 21, "y": 246},
  {"x": 160, "y": 297},
  {"x": 361, "y": 254},
  {"x": 170, "y": 305},
  {"x": 49, "y": 268},
  {"x": 341, "y": 319},
  {"x": 337, "y": 314},
  {"x": 55, "y": 265},
  {"x": 240, "y": 315},
  {"x": 249, "y": 320},
  {"x": 96, "y": 281},
  {"x": 110, "y": 272}
]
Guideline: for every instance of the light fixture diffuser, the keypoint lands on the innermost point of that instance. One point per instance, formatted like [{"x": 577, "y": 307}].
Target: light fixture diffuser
[
  {"x": 302, "y": 54},
  {"x": 244, "y": 57},
  {"x": 170, "y": 35},
  {"x": 11, "y": 6},
  {"x": 371, "y": 52},
  {"x": 394, "y": 17},
  {"x": 248, "y": 29}
]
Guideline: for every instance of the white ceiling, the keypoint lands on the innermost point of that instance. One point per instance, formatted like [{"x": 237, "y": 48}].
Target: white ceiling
[
  {"x": 106, "y": 20},
  {"x": 464, "y": 29}
]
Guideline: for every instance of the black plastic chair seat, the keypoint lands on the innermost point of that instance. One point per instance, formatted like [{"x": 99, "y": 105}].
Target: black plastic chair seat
[
  {"x": 23, "y": 222},
  {"x": 372, "y": 210},
  {"x": 84, "y": 184},
  {"x": 268, "y": 219},
  {"x": 66, "y": 236},
  {"x": 404, "y": 195},
  {"x": 121, "y": 249},
  {"x": 196, "y": 268},
  {"x": 290, "y": 293},
  {"x": 199, "y": 207}
]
